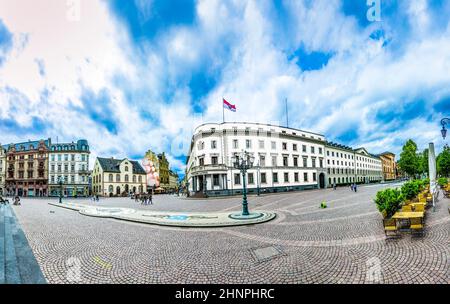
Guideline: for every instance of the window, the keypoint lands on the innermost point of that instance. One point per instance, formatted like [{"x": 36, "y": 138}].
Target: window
[
  {"x": 59, "y": 157},
  {"x": 72, "y": 157},
  {"x": 294, "y": 147},
  {"x": 284, "y": 145},
  {"x": 314, "y": 176},
  {"x": 262, "y": 160},
  {"x": 321, "y": 163},
  {"x": 72, "y": 168},
  {"x": 273, "y": 145},
  {"x": 263, "y": 178},
  {"x": 305, "y": 176},
  {"x": 235, "y": 144},
  {"x": 201, "y": 161},
  {"x": 251, "y": 180},
  {"x": 53, "y": 168},
  {"x": 304, "y": 148},
  {"x": 214, "y": 160},
  {"x": 295, "y": 161},
  {"x": 213, "y": 144},
  {"x": 126, "y": 177},
  {"x": 237, "y": 179},
  {"x": 126, "y": 168},
  {"x": 275, "y": 177},
  {"x": 313, "y": 162},
  {"x": 134, "y": 178},
  {"x": 140, "y": 179},
  {"x": 248, "y": 144},
  {"x": 286, "y": 177},
  {"x": 274, "y": 161},
  {"x": 216, "y": 180},
  {"x": 320, "y": 150},
  {"x": 53, "y": 157},
  {"x": 313, "y": 150},
  {"x": 305, "y": 162},
  {"x": 66, "y": 157},
  {"x": 261, "y": 144},
  {"x": 296, "y": 176},
  {"x": 117, "y": 178},
  {"x": 111, "y": 178},
  {"x": 285, "y": 161}
]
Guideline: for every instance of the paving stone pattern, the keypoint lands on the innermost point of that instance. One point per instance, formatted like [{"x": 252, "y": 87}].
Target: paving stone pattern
[{"x": 344, "y": 243}]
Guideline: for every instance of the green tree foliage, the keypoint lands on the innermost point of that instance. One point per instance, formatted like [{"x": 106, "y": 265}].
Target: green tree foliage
[
  {"x": 443, "y": 162},
  {"x": 389, "y": 201},
  {"x": 423, "y": 162},
  {"x": 409, "y": 160}
]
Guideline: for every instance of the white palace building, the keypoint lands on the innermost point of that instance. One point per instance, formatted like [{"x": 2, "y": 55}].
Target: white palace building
[{"x": 285, "y": 159}]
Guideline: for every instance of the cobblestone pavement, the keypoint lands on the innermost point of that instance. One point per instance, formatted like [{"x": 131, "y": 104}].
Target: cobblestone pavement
[{"x": 344, "y": 243}]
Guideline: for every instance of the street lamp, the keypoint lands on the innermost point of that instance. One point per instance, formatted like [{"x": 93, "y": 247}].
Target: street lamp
[
  {"x": 60, "y": 182},
  {"x": 244, "y": 162},
  {"x": 444, "y": 122}
]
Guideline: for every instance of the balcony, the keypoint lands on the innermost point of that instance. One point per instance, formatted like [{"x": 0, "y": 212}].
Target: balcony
[{"x": 204, "y": 168}]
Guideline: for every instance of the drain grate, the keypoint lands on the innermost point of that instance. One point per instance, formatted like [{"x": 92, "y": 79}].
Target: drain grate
[{"x": 263, "y": 254}]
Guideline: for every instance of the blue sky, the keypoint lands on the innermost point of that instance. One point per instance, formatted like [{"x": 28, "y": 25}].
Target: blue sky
[{"x": 141, "y": 74}]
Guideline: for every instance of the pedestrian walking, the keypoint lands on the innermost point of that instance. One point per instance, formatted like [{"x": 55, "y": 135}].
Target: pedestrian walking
[
  {"x": 334, "y": 186},
  {"x": 356, "y": 188},
  {"x": 150, "y": 198}
]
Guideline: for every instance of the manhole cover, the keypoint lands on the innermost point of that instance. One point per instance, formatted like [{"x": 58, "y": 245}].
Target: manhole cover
[{"x": 266, "y": 253}]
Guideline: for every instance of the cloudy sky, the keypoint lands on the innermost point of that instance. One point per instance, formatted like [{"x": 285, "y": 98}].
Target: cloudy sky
[{"x": 133, "y": 75}]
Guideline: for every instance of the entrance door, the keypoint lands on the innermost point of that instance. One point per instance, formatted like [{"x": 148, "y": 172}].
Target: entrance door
[
  {"x": 321, "y": 180},
  {"x": 200, "y": 183},
  {"x": 118, "y": 190}
]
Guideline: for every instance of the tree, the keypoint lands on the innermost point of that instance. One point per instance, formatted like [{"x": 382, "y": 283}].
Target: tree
[
  {"x": 423, "y": 159},
  {"x": 443, "y": 162},
  {"x": 409, "y": 160}
]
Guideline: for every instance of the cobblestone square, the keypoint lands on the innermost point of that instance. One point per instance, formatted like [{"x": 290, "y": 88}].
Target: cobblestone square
[{"x": 344, "y": 243}]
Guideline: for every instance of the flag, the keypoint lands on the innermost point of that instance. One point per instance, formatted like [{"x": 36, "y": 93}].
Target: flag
[{"x": 228, "y": 105}]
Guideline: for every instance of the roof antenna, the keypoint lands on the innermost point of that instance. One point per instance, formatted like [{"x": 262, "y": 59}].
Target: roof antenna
[{"x": 287, "y": 113}]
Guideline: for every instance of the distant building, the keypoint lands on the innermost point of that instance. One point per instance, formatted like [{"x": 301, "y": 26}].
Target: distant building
[
  {"x": 389, "y": 165},
  {"x": 69, "y": 162},
  {"x": 2, "y": 171},
  {"x": 163, "y": 171},
  {"x": 150, "y": 163},
  {"x": 27, "y": 172},
  {"x": 173, "y": 181},
  {"x": 115, "y": 177}
]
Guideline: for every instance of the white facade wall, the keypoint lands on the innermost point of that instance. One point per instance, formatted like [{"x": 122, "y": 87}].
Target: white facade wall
[
  {"x": 73, "y": 167},
  {"x": 346, "y": 166},
  {"x": 274, "y": 148}
]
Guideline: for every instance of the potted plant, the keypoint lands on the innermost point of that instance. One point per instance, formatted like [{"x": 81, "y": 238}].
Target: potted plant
[
  {"x": 410, "y": 190},
  {"x": 388, "y": 201}
]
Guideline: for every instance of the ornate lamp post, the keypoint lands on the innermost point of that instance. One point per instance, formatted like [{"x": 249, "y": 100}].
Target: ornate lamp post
[
  {"x": 60, "y": 182},
  {"x": 243, "y": 162},
  {"x": 444, "y": 122}
]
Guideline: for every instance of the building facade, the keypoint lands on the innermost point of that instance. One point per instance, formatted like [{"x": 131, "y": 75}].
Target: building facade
[
  {"x": 2, "y": 171},
  {"x": 163, "y": 171},
  {"x": 346, "y": 165},
  {"x": 69, "y": 162},
  {"x": 27, "y": 168},
  {"x": 286, "y": 159},
  {"x": 173, "y": 181},
  {"x": 118, "y": 177},
  {"x": 389, "y": 165}
]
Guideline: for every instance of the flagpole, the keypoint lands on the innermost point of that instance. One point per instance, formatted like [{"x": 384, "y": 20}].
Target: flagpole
[{"x": 223, "y": 111}]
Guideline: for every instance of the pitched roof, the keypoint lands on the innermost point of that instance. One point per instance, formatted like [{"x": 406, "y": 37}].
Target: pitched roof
[
  {"x": 29, "y": 145},
  {"x": 113, "y": 165}
]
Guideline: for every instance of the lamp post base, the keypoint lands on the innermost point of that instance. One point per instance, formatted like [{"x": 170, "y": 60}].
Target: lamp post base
[{"x": 240, "y": 216}]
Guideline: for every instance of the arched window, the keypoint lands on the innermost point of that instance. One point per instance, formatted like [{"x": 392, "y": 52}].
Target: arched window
[
  {"x": 110, "y": 190},
  {"x": 134, "y": 178},
  {"x": 126, "y": 168},
  {"x": 117, "y": 177},
  {"x": 111, "y": 179},
  {"x": 126, "y": 177},
  {"x": 140, "y": 179}
]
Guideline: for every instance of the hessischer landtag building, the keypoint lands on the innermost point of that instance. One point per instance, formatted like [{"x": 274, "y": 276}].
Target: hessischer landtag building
[{"x": 285, "y": 159}]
